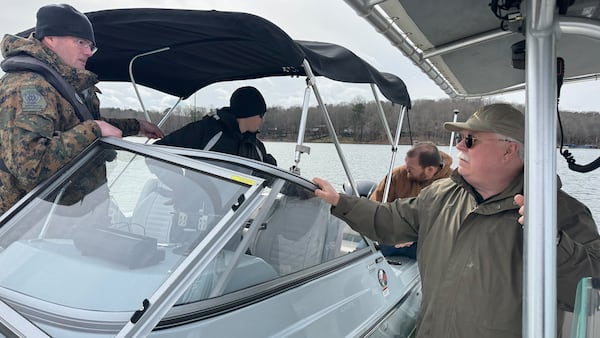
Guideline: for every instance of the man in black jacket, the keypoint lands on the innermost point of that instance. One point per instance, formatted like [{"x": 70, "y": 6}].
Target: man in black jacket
[{"x": 231, "y": 130}]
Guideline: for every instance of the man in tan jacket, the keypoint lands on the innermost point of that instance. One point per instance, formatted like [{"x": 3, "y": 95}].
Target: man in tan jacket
[{"x": 424, "y": 163}]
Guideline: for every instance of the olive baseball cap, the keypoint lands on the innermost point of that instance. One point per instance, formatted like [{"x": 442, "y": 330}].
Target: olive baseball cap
[{"x": 500, "y": 118}]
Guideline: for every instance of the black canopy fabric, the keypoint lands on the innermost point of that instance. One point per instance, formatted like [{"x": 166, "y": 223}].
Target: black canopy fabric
[
  {"x": 205, "y": 47},
  {"x": 340, "y": 64}
]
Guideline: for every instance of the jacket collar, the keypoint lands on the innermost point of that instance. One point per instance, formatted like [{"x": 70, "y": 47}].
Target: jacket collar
[
  {"x": 229, "y": 121},
  {"x": 445, "y": 171},
  {"x": 13, "y": 45},
  {"x": 501, "y": 201},
  {"x": 231, "y": 124}
]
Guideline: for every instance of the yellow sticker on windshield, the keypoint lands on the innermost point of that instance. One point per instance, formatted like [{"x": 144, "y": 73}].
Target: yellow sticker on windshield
[{"x": 244, "y": 180}]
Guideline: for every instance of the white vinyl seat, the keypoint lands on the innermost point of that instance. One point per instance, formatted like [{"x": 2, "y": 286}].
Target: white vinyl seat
[
  {"x": 295, "y": 235},
  {"x": 158, "y": 215},
  {"x": 153, "y": 214},
  {"x": 249, "y": 271}
]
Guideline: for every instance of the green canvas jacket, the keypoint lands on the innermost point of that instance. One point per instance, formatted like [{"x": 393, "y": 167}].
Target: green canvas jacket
[{"x": 471, "y": 256}]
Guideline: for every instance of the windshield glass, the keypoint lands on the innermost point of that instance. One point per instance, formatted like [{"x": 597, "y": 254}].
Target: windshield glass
[{"x": 107, "y": 234}]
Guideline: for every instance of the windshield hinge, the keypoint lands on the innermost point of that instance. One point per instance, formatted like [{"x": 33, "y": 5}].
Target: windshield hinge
[
  {"x": 239, "y": 202},
  {"x": 138, "y": 314}
]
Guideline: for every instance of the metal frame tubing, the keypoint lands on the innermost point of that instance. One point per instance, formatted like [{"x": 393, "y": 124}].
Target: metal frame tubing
[
  {"x": 312, "y": 81},
  {"x": 539, "y": 275},
  {"x": 133, "y": 79},
  {"x": 393, "y": 142},
  {"x": 300, "y": 147},
  {"x": 388, "y": 178}
]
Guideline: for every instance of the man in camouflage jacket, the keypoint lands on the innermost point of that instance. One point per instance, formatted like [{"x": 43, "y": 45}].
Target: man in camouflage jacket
[{"x": 39, "y": 129}]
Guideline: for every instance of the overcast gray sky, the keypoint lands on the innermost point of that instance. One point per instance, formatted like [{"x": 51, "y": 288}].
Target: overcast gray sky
[{"x": 321, "y": 20}]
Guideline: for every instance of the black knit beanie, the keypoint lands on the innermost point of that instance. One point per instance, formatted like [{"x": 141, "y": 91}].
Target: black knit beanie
[
  {"x": 247, "y": 102},
  {"x": 63, "y": 20}
]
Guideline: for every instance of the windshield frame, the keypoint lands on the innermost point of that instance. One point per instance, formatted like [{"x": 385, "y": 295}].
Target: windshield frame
[{"x": 179, "y": 279}]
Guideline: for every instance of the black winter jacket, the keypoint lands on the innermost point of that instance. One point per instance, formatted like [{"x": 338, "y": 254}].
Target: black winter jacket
[{"x": 202, "y": 134}]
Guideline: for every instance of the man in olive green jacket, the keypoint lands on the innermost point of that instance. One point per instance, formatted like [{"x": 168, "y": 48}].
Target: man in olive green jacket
[{"x": 470, "y": 242}]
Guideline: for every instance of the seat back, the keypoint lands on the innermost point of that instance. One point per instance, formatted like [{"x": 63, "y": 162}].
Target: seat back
[
  {"x": 294, "y": 235},
  {"x": 153, "y": 214},
  {"x": 171, "y": 219}
]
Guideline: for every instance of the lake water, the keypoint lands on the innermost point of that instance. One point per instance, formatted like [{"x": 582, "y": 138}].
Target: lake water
[{"x": 371, "y": 162}]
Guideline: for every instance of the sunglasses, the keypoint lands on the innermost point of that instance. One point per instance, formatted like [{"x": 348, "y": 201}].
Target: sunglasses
[{"x": 470, "y": 140}]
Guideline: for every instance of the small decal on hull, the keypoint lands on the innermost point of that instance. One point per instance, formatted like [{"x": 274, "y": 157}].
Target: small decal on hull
[{"x": 382, "y": 277}]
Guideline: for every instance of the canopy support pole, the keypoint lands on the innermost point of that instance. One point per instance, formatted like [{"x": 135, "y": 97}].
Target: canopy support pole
[
  {"x": 312, "y": 81},
  {"x": 300, "y": 147},
  {"x": 133, "y": 80},
  {"x": 394, "y": 142},
  {"x": 539, "y": 284},
  {"x": 451, "y": 143},
  {"x": 388, "y": 177}
]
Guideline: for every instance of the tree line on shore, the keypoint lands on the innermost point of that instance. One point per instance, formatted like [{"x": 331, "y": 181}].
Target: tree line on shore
[{"x": 359, "y": 122}]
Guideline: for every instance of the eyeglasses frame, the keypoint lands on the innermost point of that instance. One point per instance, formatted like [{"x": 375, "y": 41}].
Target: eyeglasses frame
[
  {"x": 83, "y": 44},
  {"x": 470, "y": 139}
]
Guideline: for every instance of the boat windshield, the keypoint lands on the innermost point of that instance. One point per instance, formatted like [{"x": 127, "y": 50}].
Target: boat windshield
[
  {"x": 128, "y": 224},
  {"x": 109, "y": 232}
]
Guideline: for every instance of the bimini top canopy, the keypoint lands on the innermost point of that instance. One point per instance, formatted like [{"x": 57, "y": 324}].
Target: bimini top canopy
[
  {"x": 204, "y": 47},
  {"x": 198, "y": 48},
  {"x": 340, "y": 64},
  {"x": 466, "y": 47},
  {"x": 190, "y": 49}
]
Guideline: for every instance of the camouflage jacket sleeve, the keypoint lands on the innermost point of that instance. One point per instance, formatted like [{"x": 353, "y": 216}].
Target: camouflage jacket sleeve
[
  {"x": 39, "y": 131},
  {"x": 387, "y": 223},
  {"x": 129, "y": 127}
]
